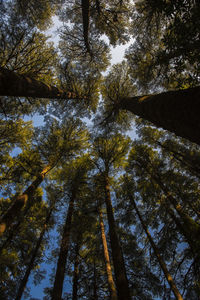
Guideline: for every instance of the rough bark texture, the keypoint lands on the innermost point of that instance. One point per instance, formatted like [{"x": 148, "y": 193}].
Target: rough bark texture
[
  {"x": 13, "y": 84},
  {"x": 156, "y": 251},
  {"x": 34, "y": 255},
  {"x": 117, "y": 256},
  {"x": 64, "y": 248},
  {"x": 176, "y": 111},
  {"x": 111, "y": 284},
  {"x": 85, "y": 4},
  {"x": 9, "y": 217}
]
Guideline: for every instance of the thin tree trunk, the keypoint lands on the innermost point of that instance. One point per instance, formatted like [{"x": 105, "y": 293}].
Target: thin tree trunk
[
  {"x": 156, "y": 251},
  {"x": 17, "y": 85},
  {"x": 64, "y": 248},
  {"x": 118, "y": 260},
  {"x": 85, "y": 5},
  {"x": 177, "y": 111},
  {"x": 34, "y": 255},
  {"x": 76, "y": 272},
  {"x": 19, "y": 202},
  {"x": 111, "y": 284},
  {"x": 98, "y": 7}
]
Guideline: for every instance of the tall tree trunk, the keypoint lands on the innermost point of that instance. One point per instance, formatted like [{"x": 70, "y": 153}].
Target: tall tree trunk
[
  {"x": 34, "y": 255},
  {"x": 177, "y": 111},
  {"x": 156, "y": 251},
  {"x": 19, "y": 202},
  {"x": 76, "y": 266},
  {"x": 13, "y": 84},
  {"x": 76, "y": 273},
  {"x": 85, "y": 5},
  {"x": 64, "y": 248},
  {"x": 117, "y": 256},
  {"x": 111, "y": 284}
]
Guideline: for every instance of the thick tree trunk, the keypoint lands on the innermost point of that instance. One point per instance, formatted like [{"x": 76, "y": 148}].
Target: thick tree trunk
[
  {"x": 64, "y": 248},
  {"x": 19, "y": 202},
  {"x": 176, "y": 111},
  {"x": 117, "y": 256},
  {"x": 34, "y": 255},
  {"x": 111, "y": 284},
  {"x": 13, "y": 84},
  {"x": 156, "y": 251}
]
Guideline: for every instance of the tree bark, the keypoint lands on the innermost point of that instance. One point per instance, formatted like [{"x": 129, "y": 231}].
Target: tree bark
[
  {"x": 85, "y": 5},
  {"x": 19, "y": 202},
  {"x": 111, "y": 284},
  {"x": 156, "y": 251},
  {"x": 34, "y": 255},
  {"x": 118, "y": 260},
  {"x": 17, "y": 85},
  {"x": 177, "y": 111},
  {"x": 76, "y": 272},
  {"x": 64, "y": 248}
]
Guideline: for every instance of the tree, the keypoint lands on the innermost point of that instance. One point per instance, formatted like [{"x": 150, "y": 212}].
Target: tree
[
  {"x": 24, "y": 281},
  {"x": 154, "y": 181},
  {"x": 155, "y": 249},
  {"x": 66, "y": 143},
  {"x": 79, "y": 169},
  {"x": 109, "y": 151},
  {"x": 168, "y": 110},
  {"x": 111, "y": 284},
  {"x": 159, "y": 51},
  {"x": 15, "y": 256},
  {"x": 37, "y": 14},
  {"x": 25, "y": 86},
  {"x": 96, "y": 18}
]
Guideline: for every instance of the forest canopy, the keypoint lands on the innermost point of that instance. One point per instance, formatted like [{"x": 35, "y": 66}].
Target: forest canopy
[{"x": 100, "y": 163}]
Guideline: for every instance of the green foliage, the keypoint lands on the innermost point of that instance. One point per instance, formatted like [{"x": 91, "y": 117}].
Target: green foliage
[
  {"x": 159, "y": 56},
  {"x": 24, "y": 49},
  {"x": 115, "y": 86},
  {"x": 37, "y": 14},
  {"x": 110, "y": 151}
]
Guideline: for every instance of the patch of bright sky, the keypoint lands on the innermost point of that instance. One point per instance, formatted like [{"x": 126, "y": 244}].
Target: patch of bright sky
[{"x": 37, "y": 120}]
